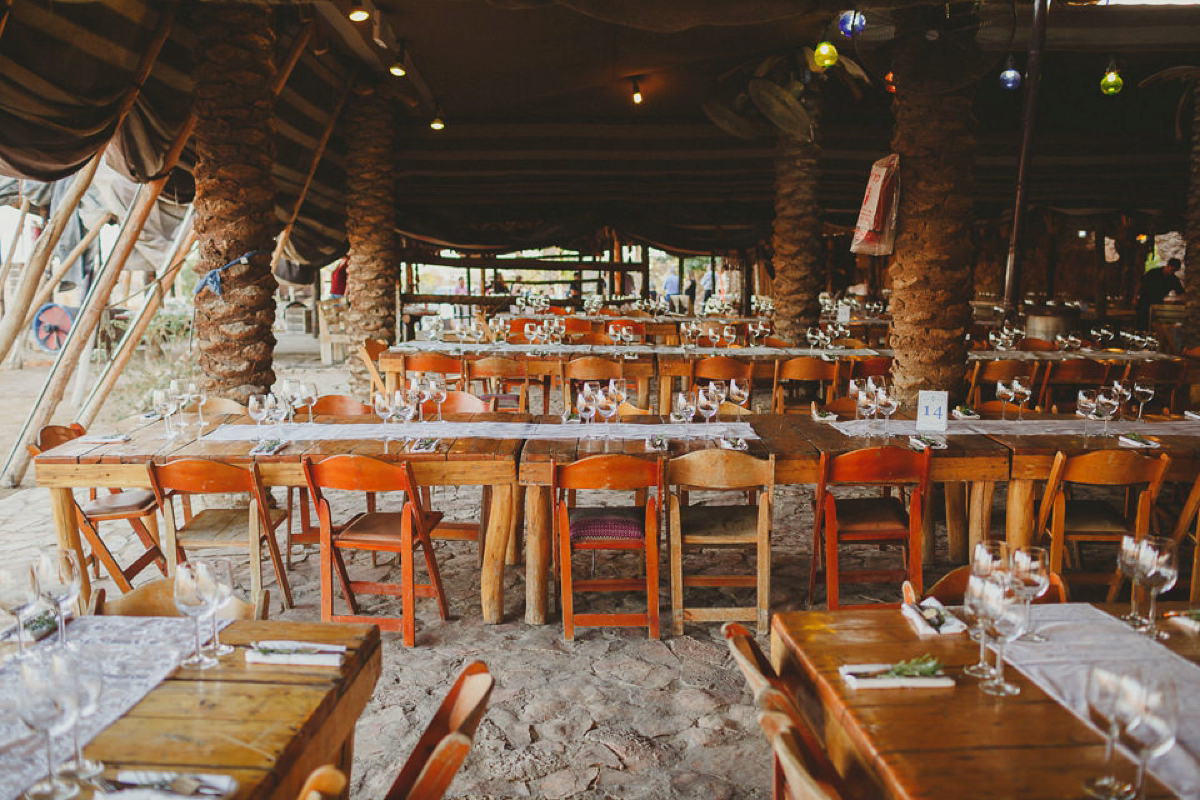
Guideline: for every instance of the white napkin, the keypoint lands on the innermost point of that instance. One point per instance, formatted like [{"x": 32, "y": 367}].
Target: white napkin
[
  {"x": 921, "y": 441},
  {"x": 657, "y": 443},
  {"x": 1192, "y": 415},
  {"x": 822, "y": 416},
  {"x": 267, "y": 448},
  {"x": 1128, "y": 440},
  {"x": 104, "y": 438},
  {"x": 859, "y": 676},
  {"x": 733, "y": 444},
  {"x": 1185, "y": 622},
  {"x": 152, "y": 780},
  {"x": 296, "y": 654},
  {"x": 427, "y": 445},
  {"x": 954, "y": 412},
  {"x": 912, "y": 613}
]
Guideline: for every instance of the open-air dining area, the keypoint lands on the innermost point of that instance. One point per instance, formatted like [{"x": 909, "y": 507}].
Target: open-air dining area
[{"x": 599, "y": 399}]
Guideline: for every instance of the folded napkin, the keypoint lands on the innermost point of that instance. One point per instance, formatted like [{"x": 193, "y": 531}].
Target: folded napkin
[
  {"x": 868, "y": 676},
  {"x": 960, "y": 414},
  {"x": 658, "y": 443},
  {"x": 426, "y": 445},
  {"x": 104, "y": 438},
  {"x": 1192, "y": 415},
  {"x": 822, "y": 416},
  {"x": 154, "y": 785},
  {"x": 1185, "y": 621},
  {"x": 268, "y": 448},
  {"x": 296, "y": 654},
  {"x": 921, "y": 441},
  {"x": 37, "y": 627},
  {"x": 930, "y": 618},
  {"x": 1136, "y": 440},
  {"x": 733, "y": 444}
]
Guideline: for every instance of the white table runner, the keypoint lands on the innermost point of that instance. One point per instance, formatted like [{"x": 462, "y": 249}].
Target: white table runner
[
  {"x": 135, "y": 653},
  {"x": 1081, "y": 636},
  {"x": 534, "y": 350},
  {"x": 317, "y": 432},
  {"x": 1029, "y": 427}
]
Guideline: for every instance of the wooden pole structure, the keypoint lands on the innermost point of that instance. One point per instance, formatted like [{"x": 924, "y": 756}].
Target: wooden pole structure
[
  {"x": 47, "y": 288},
  {"x": 293, "y": 57},
  {"x": 4, "y": 17},
  {"x": 12, "y": 324},
  {"x": 133, "y": 335},
  {"x": 281, "y": 241},
  {"x": 12, "y": 247},
  {"x": 645, "y": 271}
]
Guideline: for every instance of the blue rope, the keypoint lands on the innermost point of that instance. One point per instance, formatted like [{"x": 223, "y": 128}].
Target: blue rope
[{"x": 212, "y": 280}]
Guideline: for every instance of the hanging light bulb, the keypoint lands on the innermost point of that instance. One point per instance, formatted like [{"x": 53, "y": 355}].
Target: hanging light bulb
[
  {"x": 825, "y": 55},
  {"x": 437, "y": 123},
  {"x": 1111, "y": 84},
  {"x": 1010, "y": 78},
  {"x": 637, "y": 92},
  {"x": 397, "y": 68},
  {"x": 851, "y": 23},
  {"x": 358, "y": 13}
]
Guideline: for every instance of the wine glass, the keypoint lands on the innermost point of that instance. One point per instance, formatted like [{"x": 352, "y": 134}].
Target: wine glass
[
  {"x": 308, "y": 396},
  {"x": 887, "y": 405},
  {"x": 707, "y": 403},
  {"x": 199, "y": 391},
  {"x": 729, "y": 334},
  {"x": 1124, "y": 391},
  {"x": 277, "y": 412},
  {"x": 59, "y": 581},
  {"x": 1022, "y": 389},
  {"x": 437, "y": 393},
  {"x": 1107, "y": 403},
  {"x": 195, "y": 597},
  {"x": 1109, "y": 706},
  {"x": 988, "y": 557},
  {"x": 1030, "y": 567},
  {"x": 1143, "y": 392},
  {"x": 585, "y": 404},
  {"x": 256, "y": 407},
  {"x": 855, "y": 386},
  {"x": 685, "y": 405},
  {"x": 1129, "y": 563},
  {"x": 739, "y": 393},
  {"x": 46, "y": 706},
  {"x": 1153, "y": 729},
  {"x": 222, "y": 575},
  {"x": 160, "y": 400},
  {"x": 719, "y": 389},
  {"x": 865, "y": 405},
  {"x": 1005, "y": 394},
  {"x": 423, "y": 393},
  {"x": 1085, "y": 405},
  {"x": 87, "y": 679},
  {"x": 1158, "y": 569},
  {"x": 18, "y": 594},
  {"x": 1004, "y": 622}
]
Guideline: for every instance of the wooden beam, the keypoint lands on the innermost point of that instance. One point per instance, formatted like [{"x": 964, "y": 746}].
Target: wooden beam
[{"x": 293, "y": 56}]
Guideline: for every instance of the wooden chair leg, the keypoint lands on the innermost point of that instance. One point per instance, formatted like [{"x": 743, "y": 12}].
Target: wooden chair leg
[
  {"x": 409, "y": 585},
  {"x": 675, "y": 542},
  {"x": 568, "y": 600},
  {"x": 831, "y": 568},
  {"x": 104, "y": 555}
]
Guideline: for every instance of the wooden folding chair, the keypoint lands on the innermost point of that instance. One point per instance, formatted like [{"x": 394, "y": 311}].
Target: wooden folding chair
[
  {"x": 607, "y": 528},
  {"x": 401, "y": 532},
  {"x": 369, "y": 351},
  {"x": 951, "y": 588},
  {"x": 458, "y": 403},
  {"x": 221, "y": 527},
  {"x": 790, "y": 755},
  {"x": 801, "y": 369},
  {"x": 494, "y": 378},
  {"x": 1168, "y": 377},
  {"x": 986, "y": 373},
  {"x": 747, "y": 525},
  {"x": 1066, "y": 520},
  {"x": 323, "y": 783},
  {"x": 157, "y": 599},
  {"x": 870, "y": 520},
  {"x": 138, "y": 507},
  {"x": 442, "y": 748},
  {"x": 1063, "y": 378},
  {"x": 588, "y": 368},
  {"x": 421, "y": 365},
  {"x": 722, "y": 368}
]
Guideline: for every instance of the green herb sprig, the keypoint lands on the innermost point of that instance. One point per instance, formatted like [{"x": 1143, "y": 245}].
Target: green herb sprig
[{"x": 925, "y": 666}]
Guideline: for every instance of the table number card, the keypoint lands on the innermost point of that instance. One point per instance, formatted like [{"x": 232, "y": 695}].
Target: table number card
[
  {"x": 843, "y": 313},
  {"x": 932, "y": 410}
]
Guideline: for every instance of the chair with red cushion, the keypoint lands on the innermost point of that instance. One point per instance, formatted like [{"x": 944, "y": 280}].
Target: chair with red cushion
[{"x": 607, "y": 528}]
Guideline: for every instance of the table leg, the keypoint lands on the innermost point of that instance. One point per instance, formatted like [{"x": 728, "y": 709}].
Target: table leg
[
  {"x": 643, "y": 390},
  {"x": 516, "y": 528},
  {"x": 346, "y": 762},
  {"x": 665, "y": 392},
  {"x": 983, "y": 493},
  {"x": 929, "y": 525},
  {"x": 66, "y": 527},
  {"x": 1019, "y": 530},
  {"x": 537, "y": 553},
  {"x": 956, "y": 522},
  {"x": 390, "y": 382},
  {"x": 495, "y": 545}
]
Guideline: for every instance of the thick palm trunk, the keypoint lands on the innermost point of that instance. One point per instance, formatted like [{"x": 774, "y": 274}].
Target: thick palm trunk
[
  {"x": 799, "y": 255},
  {"x": 370, "y": 222},
  {"x": 1191, "y": 331},
  {"x": 235, "y": 197},
  {"x": 934, "y": 136}
]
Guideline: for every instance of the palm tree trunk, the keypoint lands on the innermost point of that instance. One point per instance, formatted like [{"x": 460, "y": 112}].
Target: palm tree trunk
[
  {"x": 934, "y": 136},
  {"x": 235, "y": 197},
  {"x": 1191, "y": 327},
  {"x": 371, "y": 275},
  {"x": 799, "y": 252}
]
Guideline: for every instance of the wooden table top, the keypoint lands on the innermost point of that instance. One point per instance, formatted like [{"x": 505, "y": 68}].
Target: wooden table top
[
  {"x": 267, "y": 726},
  {"x": 934, "y": 743}
]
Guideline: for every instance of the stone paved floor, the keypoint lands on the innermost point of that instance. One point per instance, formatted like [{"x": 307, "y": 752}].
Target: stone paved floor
[{"x": 610, "y": 715}]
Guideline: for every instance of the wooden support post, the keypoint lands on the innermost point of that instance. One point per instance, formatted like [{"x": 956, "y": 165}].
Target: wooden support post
[
  {"x": 12, "y": 324},
  {"x": 12, "y": 248},
  {"x": 645, "y": 271},
  {"x": 133, "y": 335}
]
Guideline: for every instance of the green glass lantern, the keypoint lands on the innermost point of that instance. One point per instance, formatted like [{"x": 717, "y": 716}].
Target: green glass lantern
[
  {"x": 1111, "y": 84},
  {"x": 826, "y": 55}
]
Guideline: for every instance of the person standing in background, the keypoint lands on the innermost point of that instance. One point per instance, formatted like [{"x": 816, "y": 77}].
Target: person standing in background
[
  {"x": 337, "y": 281},
  {"x": 1156, "y": 285}
]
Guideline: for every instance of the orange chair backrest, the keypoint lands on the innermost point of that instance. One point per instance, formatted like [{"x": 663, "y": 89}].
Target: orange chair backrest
[
  {"x": 722, "y": 368},
  {"x": 639, "y": 328},
  {"x": 951, "y": 588},
  {"x": 592, "y": 368},
  {"x": 459, "y": 403},
  {"x": 877, "y": 465},
  {"x": 808, "y": 368},
  {"x": 359, "y": 473},
  {"x": 576, "y": 325},
  {"x": 497, "y": 367},
  {"x": 619, "y": 472},
  {"x": 1115, "y": 468},
  {"x": 201, "y": 476},
  {"x": 341, "y": 405},
  {"x": 1076, "y": 370},
  {"x": 1036, "y": 345},
  {"x": 593, "y": 338},
  {"x": 54, "y": 435},
  {"x": 323, "y": 783},
  {"x": 432, "y": 362},
  {"x": 720, "y": 469},
  {"x": 870, "y": 367},
  {"x": 1002, "y": 369}
]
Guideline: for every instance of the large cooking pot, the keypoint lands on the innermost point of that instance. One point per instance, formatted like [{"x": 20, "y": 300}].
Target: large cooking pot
[{"x": 1046, "y": 322}]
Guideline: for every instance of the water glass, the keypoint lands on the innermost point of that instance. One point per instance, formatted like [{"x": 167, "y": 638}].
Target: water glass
[
  {"x": 987, "y": 558},
  {"x": 887, "y": 405},
  {"x": 47, "y": 706},
  {"x": 739, "y": 392},
  {"x": 1108, "y": 402},
  {"x": 1158, "y": 570},
  {"x": 707, "y": 404},
  {"x": 1004, "y": 393},
  {"x": 1128, "y": 561},
  {"x": 1143, "y": 392},
  {"x": 222, "y": 573},
  {"x": 685, "y": 405},
  {"x": 1030, "y": 568},
  {"x": 86, "y": 678},
  {"x": 1152, "y": 731},
  {"x": 18, "y": 594},
  {"x": 437, "y": 393},
  {"x": 59, "y": 581},
  {"x": 1022, "y": 388},
  {"x": 1110, "y": 704},
  {"x": 1085, "y": 405},
  {"x": 196, "y": 597},
  {"x": 1004, "y": 622},
  {"x": 256, "y": 407}
]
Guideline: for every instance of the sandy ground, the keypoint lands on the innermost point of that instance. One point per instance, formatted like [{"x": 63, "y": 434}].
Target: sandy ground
[{"x": 610, "y": 715}]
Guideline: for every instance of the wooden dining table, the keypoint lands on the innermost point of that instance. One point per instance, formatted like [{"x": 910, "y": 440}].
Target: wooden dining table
[
  {"x": 457, "y": 461},
  {"x": 935, "y": 744},
  {"x": 267, "y": 726}
]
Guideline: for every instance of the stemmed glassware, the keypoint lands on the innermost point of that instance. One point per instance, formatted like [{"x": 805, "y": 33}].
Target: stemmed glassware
[
  {"x": 1112, "y": 705},
  {"x": 1129, "y": 562},
  {"x": 739, "y": 393},
  {"x": 1158, "y": 570},
  {"x": 222, "y": 575},
  {"x": 887, "y": 405},
  {"x": 1143, "y": 392},
  {"x": 987, "y": 558},
  {"x": 200, "y": 393},
  {"x": 685, "y": 406},
  {"x": 707, "y": 403},
  {"x": 729, "y": 334},
  {"x": 196, "y": 597},
  {"x": 308, "y": 396},
  {"x": 437, "y": 393},
  {"x": 1022, "y": 389},
  {"x": 585, "y": 404},
  {"x": 1004, "y": 622},
  {"x": 47, "y": 706},
  {"x": 278, "y": 411},
  {"x": 256, "y": 407},
  {"x": 1124, "y": 392},
  {"x": 1030, "y": 567},
  {"x": 866, "y": 406},
  {"x": 1085, "y": 407},
  {"x": 1153, "y": 729},
  {"x": 160, "y": 399},
  {"x": 1108, "y": 401},
  {"x": 59, "y": 581},
  {"x": 87, "y": 680},
  {"x": 1005, "y": 394},
  {"x": 18, "y": 595}
]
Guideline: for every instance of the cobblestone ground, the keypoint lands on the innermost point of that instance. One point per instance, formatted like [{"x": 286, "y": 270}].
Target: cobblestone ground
[{"x": 610, "y": 715}]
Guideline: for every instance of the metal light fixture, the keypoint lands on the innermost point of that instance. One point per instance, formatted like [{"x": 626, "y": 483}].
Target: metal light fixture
[
  {"x": 637, "y": 92},
  {"x": 397, "y": 68},
  {"x": 358, "y": 12},
  {"x": 437, "y": 123}
]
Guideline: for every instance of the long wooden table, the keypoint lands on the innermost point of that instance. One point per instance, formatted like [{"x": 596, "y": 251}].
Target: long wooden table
[
  {"x": 457, "y": 462},
  {"x": 267, "y": 726},
  {"x": 904, "y": 744}
]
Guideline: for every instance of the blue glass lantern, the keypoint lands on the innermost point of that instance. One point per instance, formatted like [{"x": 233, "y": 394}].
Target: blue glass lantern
[{"x": 851, "y": 23}]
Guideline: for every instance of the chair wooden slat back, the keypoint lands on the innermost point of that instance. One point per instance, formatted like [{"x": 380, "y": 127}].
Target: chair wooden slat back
[
  {"x": 789, "y": 753},
  {"x": 497, "y": 376},
  {"x": 338, "y": 405},
  {"x": 593, "y": 338},
  {"x": 588, "y": 368},
  {"x": 1168, "y": 376},
  {"x": 440, "y": 751},
  {"x": 720, "y": 469},
  {"x": 1069, "y": 374},
  {"x": 869, "y": 367},
  {"x": 323, "y": 783},
  {"x": 804, "y": 368},
  {"x": 994, "y": 409},
  {"x": 422, "y": 364},
  {"x": 988, "y": 372},
  {"x": 721, "y": 368},
  {"x": 157, "y": 599},
  {"x": 951, "y": 588},
  {"x": 359, "y": 473},
  {"x": 615, "y": 472},
  {"x": 639, "y": 328},
  {"x": 51, "y": 436},
  {"x": 459, "y": 403},
  {"x": 877, "y": 465}
]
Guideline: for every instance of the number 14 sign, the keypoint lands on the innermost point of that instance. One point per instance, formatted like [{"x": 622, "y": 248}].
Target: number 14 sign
[{"x": 932, "y": 410}]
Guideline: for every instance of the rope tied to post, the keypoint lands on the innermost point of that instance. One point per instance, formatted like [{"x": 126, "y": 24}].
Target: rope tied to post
[{"x": 212, "y": 279}]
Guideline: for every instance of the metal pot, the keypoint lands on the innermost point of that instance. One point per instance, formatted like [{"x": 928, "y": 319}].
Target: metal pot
[{"x": 1046, "y": 322}]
